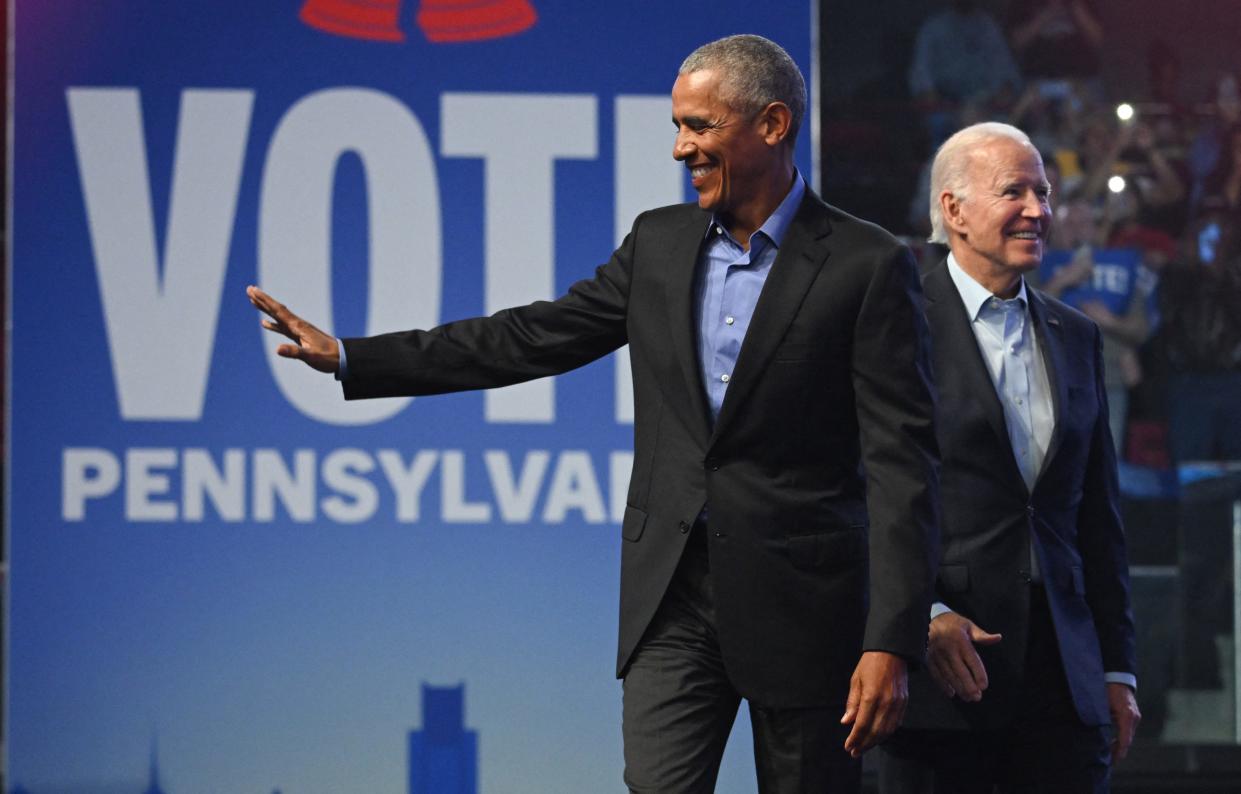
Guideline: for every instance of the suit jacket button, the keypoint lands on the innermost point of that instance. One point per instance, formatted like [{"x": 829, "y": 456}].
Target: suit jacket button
[
  {"x": 1030, "y": 511},
  {"x": 713, "y": 464},
  {"x": 1025, "y": 576},
  {"x": 684, "y": 527}
]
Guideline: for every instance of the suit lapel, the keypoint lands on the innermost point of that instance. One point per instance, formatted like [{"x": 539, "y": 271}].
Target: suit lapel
[
  {"x": 683, "y": 248},
  {"x": 1051, "y": 344},
  {"x": 797, "y": 264},
  {"x": 954, "y": 338}
]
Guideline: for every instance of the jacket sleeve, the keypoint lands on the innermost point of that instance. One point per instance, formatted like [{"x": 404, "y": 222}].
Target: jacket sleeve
[
  {"x": 891, "y": 372},
  {"x": 511, "y": 346},
  {"x": 1101, "y": 541}
]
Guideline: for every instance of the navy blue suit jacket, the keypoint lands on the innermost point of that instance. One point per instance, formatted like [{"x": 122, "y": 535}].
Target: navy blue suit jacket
[{"x": 990, "y": 516}]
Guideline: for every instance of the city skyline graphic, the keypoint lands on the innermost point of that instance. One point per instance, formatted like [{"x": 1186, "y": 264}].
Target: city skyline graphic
[{"x": 442, "y": 755}]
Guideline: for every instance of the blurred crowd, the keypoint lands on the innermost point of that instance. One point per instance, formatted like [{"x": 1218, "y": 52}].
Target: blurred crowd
[{"x": 1147, "y": 199}]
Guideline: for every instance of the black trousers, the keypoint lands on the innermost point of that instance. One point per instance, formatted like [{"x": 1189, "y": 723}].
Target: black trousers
[
  {"x": 1044, "y": 749},
  {"x": 679, "y": 707}
]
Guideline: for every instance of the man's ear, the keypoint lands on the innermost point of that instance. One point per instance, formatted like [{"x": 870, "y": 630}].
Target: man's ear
[
  {"x": 775, "y": 122},
  {"x": 950, "y": 206}
]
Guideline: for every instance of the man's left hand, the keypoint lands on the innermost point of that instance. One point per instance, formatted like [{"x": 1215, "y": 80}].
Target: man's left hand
[
  {"x": 878, "y": 693},
  {"x": 1125, "y": 718}
]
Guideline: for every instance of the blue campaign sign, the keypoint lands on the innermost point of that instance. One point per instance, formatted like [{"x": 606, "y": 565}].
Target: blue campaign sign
[
  {"x": 224, "y": 576},
  {"x": 1113, "y": 278}
]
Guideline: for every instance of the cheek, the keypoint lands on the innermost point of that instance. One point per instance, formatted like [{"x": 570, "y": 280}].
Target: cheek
[{"x": 994, "y": 229}]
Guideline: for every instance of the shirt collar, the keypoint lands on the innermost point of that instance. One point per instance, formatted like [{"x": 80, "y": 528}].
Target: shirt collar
[
  {"x": 778, "y": 222},
  {"x": 975, "y": 295}
]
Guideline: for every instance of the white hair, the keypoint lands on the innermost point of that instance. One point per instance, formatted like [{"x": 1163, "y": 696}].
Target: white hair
[{"x": 949, "y": 171}]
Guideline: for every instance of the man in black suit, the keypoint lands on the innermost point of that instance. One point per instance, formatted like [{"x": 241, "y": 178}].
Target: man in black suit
[
  {"x": 1031, "y": 647},
  {"x": 784, "y": 472}
]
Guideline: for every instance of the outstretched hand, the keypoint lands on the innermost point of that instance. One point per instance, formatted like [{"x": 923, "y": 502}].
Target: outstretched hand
[
  {"x": 878, "y": 694},
  {"x": 952, "y": 660},
  {"x": 317, "y": 349}
]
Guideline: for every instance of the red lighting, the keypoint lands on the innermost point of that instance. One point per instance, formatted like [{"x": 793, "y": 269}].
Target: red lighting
[
  {"x": 375, "y": 20},
  {"x": 474, "y": 20}
]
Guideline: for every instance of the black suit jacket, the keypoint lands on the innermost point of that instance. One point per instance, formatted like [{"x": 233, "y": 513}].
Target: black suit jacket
[
  {"x": 833, "y": 373},
  {"x": 989, "y": 515}
]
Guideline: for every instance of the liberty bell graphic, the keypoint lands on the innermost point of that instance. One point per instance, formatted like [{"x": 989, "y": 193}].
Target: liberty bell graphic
[{"x": 440, "y": 20}]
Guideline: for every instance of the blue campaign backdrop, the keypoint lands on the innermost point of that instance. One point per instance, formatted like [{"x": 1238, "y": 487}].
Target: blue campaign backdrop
[{"x": 216, "y": 563}]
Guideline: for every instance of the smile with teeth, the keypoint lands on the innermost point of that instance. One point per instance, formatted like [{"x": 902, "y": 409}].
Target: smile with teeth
[
  {"x": 699, "y": 171},
  {"x": 1025, "y": 235}
]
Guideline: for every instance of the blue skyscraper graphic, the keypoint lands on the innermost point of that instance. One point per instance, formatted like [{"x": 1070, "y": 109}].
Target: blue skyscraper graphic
[
  {"x": 443, "y": 756},
  {"x": 153, "y": 786}
]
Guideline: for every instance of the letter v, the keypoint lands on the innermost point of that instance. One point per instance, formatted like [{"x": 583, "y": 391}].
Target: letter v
[{"x": 160, "y": 328}]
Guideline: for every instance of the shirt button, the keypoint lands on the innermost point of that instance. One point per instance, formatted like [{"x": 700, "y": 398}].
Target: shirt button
[
  {"x": 730, "y": 320},
  {"x": 724, "y": 377},
  {"x": 1019, "y": 401}
]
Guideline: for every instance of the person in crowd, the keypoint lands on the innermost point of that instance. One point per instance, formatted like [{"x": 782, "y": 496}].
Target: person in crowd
[
  {"x": 1221, "y": 190},
  {"x": 1211, "y": 142},
  {"x": 1054, "y": 114},
  {"x": 1199, "y": 345},
  {"x": 1152, "y": 178},
  {"x": 780, "y": 533},
  {"x": 960, "y": 54},
  {"x": 960, "y": 61},
  {"x": 1104, "y": 284},
  {"x": 1200, "y": 340},
  {"x": 1031, "y": 645},
  {"x": 1057, "y": 40}
]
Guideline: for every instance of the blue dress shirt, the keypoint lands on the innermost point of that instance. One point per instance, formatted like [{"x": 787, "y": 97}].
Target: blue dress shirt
[
  {"x": 728, "y": 283},
  {"x": 1009, "y": 346}
]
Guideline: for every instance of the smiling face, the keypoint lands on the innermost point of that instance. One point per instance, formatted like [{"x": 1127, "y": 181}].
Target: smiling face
[
  {"x": 998, "y": 228},
  {"x": 734, "y": 161}
]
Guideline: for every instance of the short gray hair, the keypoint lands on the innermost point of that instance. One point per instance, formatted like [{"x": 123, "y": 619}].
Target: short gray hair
[
  {"x": 754, "y": 72},
  {"x": 950, "y": 169}
]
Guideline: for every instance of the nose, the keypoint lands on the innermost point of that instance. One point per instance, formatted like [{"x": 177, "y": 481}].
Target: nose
[
  {"x": 682, "y": 147},
  {"x": 1035, "y": 206}
]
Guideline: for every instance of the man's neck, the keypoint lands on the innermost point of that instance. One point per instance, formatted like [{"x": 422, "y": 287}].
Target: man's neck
[
  {"x": 749, "y": 218},
  {"x": 1001, "y": 282}
]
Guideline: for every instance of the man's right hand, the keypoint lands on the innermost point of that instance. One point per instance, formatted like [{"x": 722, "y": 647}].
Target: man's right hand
[
  {"x": 952, "y": 661},
  {"x": 317, "y": 349}
]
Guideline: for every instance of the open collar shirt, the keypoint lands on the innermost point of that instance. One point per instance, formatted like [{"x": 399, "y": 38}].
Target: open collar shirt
[{"x": 728, "y": 283}]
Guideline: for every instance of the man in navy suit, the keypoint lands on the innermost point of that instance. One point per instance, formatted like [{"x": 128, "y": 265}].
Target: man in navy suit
[
  {"x": 1031, "y": 645},
  {"x": 779, "y": 532}
]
